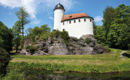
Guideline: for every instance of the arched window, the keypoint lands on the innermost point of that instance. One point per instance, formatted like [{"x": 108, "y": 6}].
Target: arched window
[{"x": 90, "y": 20}]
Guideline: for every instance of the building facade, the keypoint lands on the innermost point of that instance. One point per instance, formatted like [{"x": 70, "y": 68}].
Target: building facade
[{"x": 77, "y": 25}]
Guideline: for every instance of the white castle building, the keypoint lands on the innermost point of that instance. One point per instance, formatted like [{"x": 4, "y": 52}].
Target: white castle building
[{"x": 77, "y": 25}]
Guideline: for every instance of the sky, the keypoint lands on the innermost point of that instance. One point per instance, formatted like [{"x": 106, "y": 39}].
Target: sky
[{"x": 41, "y": 11}]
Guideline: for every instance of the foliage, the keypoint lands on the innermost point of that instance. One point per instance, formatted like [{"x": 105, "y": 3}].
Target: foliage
[
  {"x": 119, "y": 33},
  {"x": 16, "y": 33},
  {"x": 4, "y": 59},
  {"x": 99, "y": 34},
  {"x": 115, "y": 31},
  {"x": 31, "y": 49},
  {"x": 88, "y": 40},
  {"x": 22, "y": 16},
  {"x": 63, "y": 34},
  {"x": 22, "y": 21},
  {"x": 107, "y": 48},
  {"x": 107, "y": 19},
  {"x": 38, "y": 32},
  {"x": 6, "y": 37}
]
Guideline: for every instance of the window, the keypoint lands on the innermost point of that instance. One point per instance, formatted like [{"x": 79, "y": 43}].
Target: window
[
  {"x": 90, "y": 20},
  {"x": 79, "y": 20},
  {"x": 74, "y": 21},
  {"x": 63, "y": 23},
  {"x": 84, "y": 19},
  {"x": 70, "y": 22}
]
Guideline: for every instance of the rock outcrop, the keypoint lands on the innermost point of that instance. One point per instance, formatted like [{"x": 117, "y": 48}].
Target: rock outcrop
[
  {"x": 58, "y": 46},
  {"x": 124, "y": 54}
]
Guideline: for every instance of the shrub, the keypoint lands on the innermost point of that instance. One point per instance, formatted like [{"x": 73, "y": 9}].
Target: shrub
[
  {"x": 4, "y": 59},
  {"x": 44, "y": 36},
  {"x": 64, "y": 35},
  {"x": 88, "y": 40},
  {"x": 107, "y": 48},
  {"x": 31, "y": 49}
]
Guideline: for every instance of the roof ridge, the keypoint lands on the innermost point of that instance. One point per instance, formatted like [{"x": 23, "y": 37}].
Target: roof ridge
[
  {"x": 77, "y": 13},
  {"x": 74, "y": 16}
]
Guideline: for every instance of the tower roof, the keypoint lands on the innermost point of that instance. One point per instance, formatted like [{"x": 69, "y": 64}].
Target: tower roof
[
  {"x": 75, "y": 16},
  {"x": 59, "y": 6}
]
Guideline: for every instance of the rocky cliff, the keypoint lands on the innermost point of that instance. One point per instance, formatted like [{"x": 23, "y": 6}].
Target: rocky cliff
[{"x": 58, "y": 46}]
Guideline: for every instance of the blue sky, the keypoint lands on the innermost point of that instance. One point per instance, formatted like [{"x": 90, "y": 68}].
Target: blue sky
[{"x": 41, "y": 11}]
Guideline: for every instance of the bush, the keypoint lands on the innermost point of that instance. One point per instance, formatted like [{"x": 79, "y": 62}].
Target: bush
[
  {"x": 88, "y": 40},
  {"x": 64, "y": 35},
  {"x": 31, "y": 49},
  {"x": 6, "y": 37},
  {"x": 44, "y": 36},
  {"x": 107, "y": 48},
  {"x": 4, "y": 59}
]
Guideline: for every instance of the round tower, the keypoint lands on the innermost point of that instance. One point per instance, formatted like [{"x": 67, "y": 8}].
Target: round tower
[{"x": 58, "y": 14}]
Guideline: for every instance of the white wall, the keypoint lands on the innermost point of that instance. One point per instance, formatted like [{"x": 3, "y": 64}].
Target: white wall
[
  {"x": 58, "y": 14},
  {"x": 78, "y": 29}
]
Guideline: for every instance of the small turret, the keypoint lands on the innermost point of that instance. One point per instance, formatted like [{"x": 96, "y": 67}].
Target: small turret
[
  {"x": 59, "y": 6},
  {"x": 58, "y": 14}
]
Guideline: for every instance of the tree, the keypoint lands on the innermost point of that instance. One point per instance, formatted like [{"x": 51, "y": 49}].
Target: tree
[
  {"x": 6, "y": 37},
  {"x": 119, "y": 33},
  {"x": 5, "y": 47},
  {"x": 38, "y": 32},
  {"x": 99, "y": 34},
  {"x": 17, "y": 37},
  {"x": 108, "y": 16},
  {"x": 22, "y": 16},
  {"x": 4, "y": 59}
]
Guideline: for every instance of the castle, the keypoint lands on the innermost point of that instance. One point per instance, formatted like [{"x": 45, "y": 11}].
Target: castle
[{"x": 77, "y": 25}]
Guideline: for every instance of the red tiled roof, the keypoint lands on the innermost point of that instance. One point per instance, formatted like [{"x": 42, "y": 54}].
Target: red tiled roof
[{"x": 74, "y": 16}]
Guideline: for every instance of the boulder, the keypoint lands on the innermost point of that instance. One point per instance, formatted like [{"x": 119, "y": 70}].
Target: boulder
[
  {"x": 87, "y": 50},
  {"x": 58, "y": 49},
  {"x": 27, "y": 42},
  {"x": 124, "y": 54},
  {"x": 37, "y": 53},
  {"x": 23, "y": 52}
]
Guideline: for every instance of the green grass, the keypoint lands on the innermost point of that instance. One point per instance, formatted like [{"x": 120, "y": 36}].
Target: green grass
[
  {"x": 23, "y": 67},
  {"x": 101, "y": 63}
]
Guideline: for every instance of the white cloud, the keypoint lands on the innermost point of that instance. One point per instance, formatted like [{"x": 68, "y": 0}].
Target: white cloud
[
  {"x": 98, "y": 18},
  {"x": 10, "y": 3},
  {"x": 35, "y": 21},
  {"x": 31, "y": 5}
]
